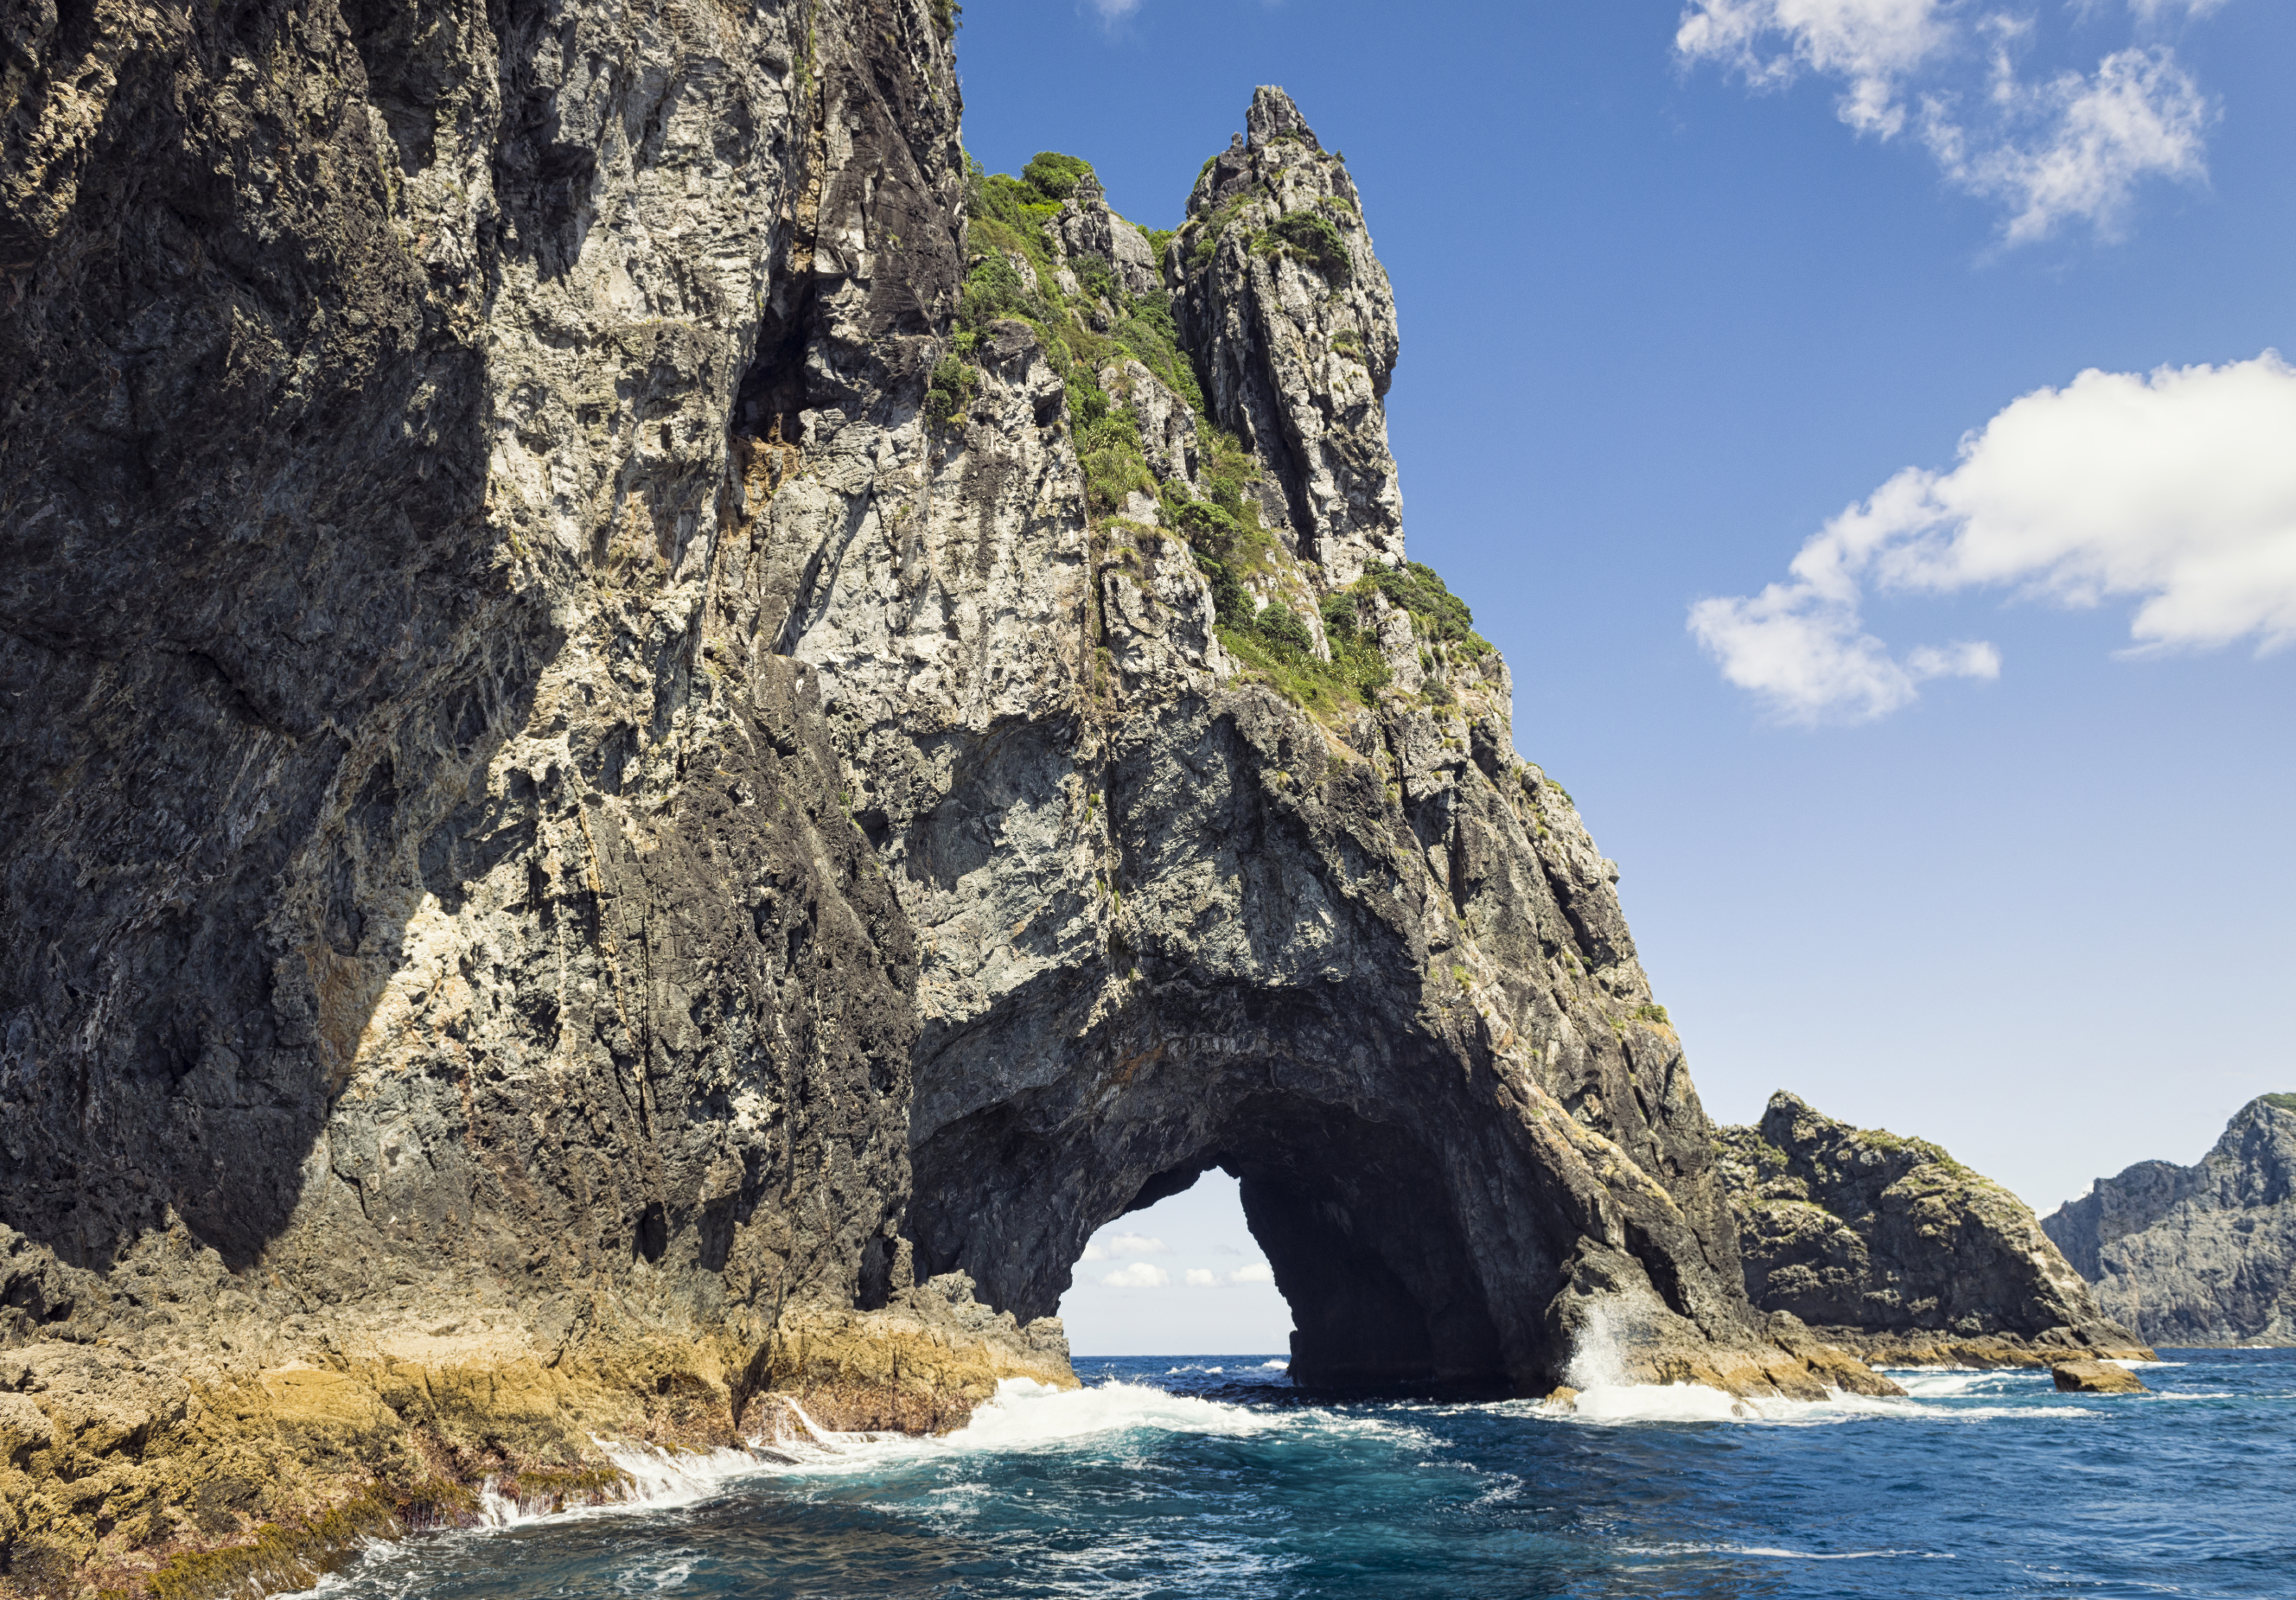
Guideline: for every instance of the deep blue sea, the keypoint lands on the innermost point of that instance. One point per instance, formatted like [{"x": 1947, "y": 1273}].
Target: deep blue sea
[{"x": 1211, "y": 1476}]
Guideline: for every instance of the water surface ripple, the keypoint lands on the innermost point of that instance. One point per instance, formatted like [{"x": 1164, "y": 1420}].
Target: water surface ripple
[{"x": 1210, "y": 1476}]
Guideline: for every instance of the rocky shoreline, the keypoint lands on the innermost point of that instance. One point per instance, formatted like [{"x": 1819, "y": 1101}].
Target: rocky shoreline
[{"x": 219, "y": 1451}]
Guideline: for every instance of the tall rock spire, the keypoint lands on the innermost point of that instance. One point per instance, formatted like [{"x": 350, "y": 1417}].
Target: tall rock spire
[{"x": 1291, "y": 320}]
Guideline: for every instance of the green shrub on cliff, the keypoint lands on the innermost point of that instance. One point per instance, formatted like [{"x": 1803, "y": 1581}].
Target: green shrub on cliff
[
  {"x": 1096, "y": 273},
  {"x": 1280, "y": 626},
  {"x": 1054, "y": 175},
  {"x": 1436, "y": 614},
  {"x": 953, "y": 384},
  {"x": 994, "y": 288},
  {"x": 1313, "y": 240},
  {"x": 1149, "y": 334},
  {"x": 1108, "y": 448}
]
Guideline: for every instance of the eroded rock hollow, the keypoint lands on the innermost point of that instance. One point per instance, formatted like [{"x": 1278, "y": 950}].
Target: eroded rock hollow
[{"x": 643, "y": 715}]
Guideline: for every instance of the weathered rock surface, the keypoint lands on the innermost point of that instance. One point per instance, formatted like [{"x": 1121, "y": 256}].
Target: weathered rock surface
[
  {"x": 2200, "y": 1255},
  {"x": 1891, "y": 1249},
  {"x": 1293, "y": 323},
  {"x": 919, "y": 1365},
  {"x": 566, "y": 840}
]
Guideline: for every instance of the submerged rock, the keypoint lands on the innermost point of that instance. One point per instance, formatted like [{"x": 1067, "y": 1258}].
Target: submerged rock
[
  {"x": 2199, "y": 1255},
  {"x": 2094, "y": 1377},
  {"x": 1891, "y": 1248}
]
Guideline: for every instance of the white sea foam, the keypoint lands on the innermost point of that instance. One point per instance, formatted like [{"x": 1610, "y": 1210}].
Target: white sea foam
[
  {"x": 660, "y": 1478},
  {"x": 1025, "y": 1415},
  {"x": 1281, "y": 1364},
  {"x": 1776, "y": 1552},
  {"x": 1597, "y": 1370}
]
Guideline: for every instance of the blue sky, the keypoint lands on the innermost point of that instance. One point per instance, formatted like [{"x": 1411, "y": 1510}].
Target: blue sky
[{"x": 1680, "y": 285}]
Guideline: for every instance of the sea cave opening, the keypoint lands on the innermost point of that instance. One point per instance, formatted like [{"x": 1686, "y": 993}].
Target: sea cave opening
[
  {"x": 1181, "y": 1277},
  {"x": 1357, "y": 1220}
]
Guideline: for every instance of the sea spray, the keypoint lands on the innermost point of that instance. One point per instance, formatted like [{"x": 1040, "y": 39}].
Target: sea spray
[{"x": 1606, "y": 1394}]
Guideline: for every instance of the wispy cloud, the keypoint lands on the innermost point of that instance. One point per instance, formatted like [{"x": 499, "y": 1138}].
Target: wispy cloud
[
  {"x": 2175, "y": 490},
  {"x": 1113, "y": 12},
  {"x": 2059, "y": 148}
]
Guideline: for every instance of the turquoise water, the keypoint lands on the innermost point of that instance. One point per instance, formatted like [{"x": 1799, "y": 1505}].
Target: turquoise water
[{"x": 1212, "y": 1477}]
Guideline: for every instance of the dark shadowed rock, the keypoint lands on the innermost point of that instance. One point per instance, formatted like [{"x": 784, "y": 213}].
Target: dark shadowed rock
[
  {"x": 2199, "y": 1255},
  {"x": 1890, "y": 1247}
]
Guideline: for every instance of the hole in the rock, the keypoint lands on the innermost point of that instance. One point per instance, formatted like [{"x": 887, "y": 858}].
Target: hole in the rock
[
  {"x": 1354, "y": 1217},
  {"x": 1182, "y": 1277}
]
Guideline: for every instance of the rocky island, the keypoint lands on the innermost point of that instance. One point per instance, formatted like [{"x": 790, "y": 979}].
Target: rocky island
[
  {"x": 661, "y": 740},
  {"x": 2199, "y": 1255},
  {"x": 1889, "y": 1247}
]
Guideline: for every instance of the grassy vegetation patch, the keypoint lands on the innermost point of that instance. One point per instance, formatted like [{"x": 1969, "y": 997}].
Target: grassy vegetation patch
[{"x": 1009, "y": 219}]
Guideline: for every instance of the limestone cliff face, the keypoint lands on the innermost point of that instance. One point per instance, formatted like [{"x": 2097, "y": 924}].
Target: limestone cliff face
[
  {"x": 638, "y": 723},
  {"x": 2199, "y": 1255},
  {"x": 1890, "y": 1247}
]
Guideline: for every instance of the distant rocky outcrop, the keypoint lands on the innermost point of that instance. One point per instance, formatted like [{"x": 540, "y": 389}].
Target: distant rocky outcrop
[
  {"x": 2200, "y": 1255},
  {"x": 1889, "y": 1247}
]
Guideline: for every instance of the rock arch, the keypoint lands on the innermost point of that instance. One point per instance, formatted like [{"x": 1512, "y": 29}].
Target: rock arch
[{"x": 1278, "y": 985}]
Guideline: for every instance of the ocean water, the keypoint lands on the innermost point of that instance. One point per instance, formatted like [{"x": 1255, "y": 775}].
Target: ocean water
[{"x": 1212, "y": 1476}]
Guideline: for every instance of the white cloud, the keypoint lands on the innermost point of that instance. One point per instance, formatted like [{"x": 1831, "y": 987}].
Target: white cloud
[
  {"x": 2067, "y": 147},
  {"x": 1140, "y": 1275},
  {"x": 1136, "y": 1244},
  {"x": 2155, "y": 11},
  {"x": 2175, "y": 490},
  {"x": 1873, "y": 45},
  {"x": 1115, "y": 10},
  {"x": 1255, "y": 1272},
  {"x": 2141, "y": 116}
]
